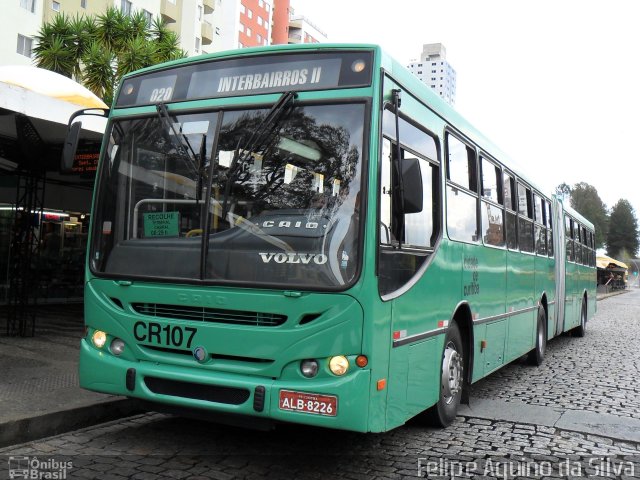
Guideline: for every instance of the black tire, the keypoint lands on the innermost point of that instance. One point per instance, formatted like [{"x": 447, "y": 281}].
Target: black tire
[
  {"x": 451, "y": 380},
  {"x": 581, "y": 329},
  {"x": 536, "y": 356}
]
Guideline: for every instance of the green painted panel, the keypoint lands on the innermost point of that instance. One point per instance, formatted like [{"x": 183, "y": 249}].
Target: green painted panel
[
  {"x": 496, "y": 335},
  {"x": 422, "y": 376},
  {"x": 520, "y": 298}
]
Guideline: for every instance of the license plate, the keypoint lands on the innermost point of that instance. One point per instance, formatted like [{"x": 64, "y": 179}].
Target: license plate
[{"x": 313, "y": 403}]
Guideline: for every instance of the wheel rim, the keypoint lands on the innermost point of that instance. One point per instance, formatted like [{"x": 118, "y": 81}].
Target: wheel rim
[{"x": 451, "y": 373}]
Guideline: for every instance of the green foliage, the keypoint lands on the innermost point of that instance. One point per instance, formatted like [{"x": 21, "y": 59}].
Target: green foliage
[
  {"x": 563, "y": 190},
  {"x": 98, "y": 51},
  {"x": 586, "y": 201},
  {"x": 623, "y": 230}
]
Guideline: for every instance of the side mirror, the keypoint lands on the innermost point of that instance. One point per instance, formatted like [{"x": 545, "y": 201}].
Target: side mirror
[
  {"x": 412, "y": 182},
  {"x": 70, "y": 146}
]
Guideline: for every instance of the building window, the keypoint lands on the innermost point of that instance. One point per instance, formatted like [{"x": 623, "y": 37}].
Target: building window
[
  {"x": 242, "y": 9},
  {"x": 249, "y": 13},
  {"x": 217, "y": 30},
  {"x": 261, "y": 3},
  {"x": 125, "y": 7},
  {"x": 259, "y": 39},
  {"x": 148, "y": 16},
  {"x": 259, "y": 20},
  {"x": 248, "y": 32},
  {"x": 197, "y": 44},
  {"x": 199, "y": 13},
  {"x": 55, "y": 6},
  {"x": 241, "y": 28},
  {"x": 24, "y": 45},
  {"x": 83, "y": 3},
  {"x": 28, "y": 5}
]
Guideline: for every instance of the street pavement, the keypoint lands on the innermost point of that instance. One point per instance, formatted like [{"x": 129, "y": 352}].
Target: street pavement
[{"x": 576, "y": 416}]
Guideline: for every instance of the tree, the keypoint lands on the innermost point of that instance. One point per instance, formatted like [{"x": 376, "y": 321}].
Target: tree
[
  {"x": 98, "y": 51},
  {"x": 623, "y": 230},
  {"x": 563, "y": 190},
  {"x": 586, "y": 201}
]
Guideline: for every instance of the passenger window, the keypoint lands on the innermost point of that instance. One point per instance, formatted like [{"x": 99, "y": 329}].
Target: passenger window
[
  {"x": 569, "y": 233},
  {"x": 525, "y": 225},
  {"x": 461, "y": 164},
  {"x": 490, "y": 178},
  {"x": 492, "y": 225},
  {"x": 524, "y": 201},
  {"x": 538, "y": 209},
  {"x": 462, "y": 222},
  {"x": 550, "y": 231},
  {"x": 462, "y": 214},
  {"x": 511, "y": 230},
  {"x": 507, "y": 188}
]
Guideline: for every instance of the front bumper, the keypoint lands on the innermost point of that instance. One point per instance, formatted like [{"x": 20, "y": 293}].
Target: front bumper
[{"x": 222, "y": 392}]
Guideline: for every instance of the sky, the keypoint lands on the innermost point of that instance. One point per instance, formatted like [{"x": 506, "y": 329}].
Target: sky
[{"x": 555, "y": 84}]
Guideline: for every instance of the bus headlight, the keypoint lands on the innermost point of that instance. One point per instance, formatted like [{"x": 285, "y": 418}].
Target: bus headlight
[
  {"x": 339, "y": 365},
  {"x": 117, "y": 346},
  {"x": 99, "y": 338},
  {"x": 309, "y": 368}
]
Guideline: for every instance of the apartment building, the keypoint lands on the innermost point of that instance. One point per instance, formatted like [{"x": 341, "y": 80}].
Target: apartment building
[
  {"x": 434, "y": 70},
  {"x": 204, "y": 26},
  {"x": 21, "y": 21},
  {"x": 291, "y": 27}
]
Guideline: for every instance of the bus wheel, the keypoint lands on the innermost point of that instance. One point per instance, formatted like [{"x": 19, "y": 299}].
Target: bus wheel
[
  {"x": 581, "y": 329},
  {"x": 451, "y": 380},
  {"x": 536, "y": 356}
]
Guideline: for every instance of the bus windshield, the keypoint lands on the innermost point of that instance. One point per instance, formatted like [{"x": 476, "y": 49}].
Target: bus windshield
[{"x": 238, "y": 196}]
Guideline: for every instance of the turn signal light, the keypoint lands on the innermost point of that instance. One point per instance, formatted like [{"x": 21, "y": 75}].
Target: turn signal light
[{"x": 362, "y": 361}]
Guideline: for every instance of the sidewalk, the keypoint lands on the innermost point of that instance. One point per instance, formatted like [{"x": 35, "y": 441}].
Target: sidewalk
[{"x": 39, "y": 390}]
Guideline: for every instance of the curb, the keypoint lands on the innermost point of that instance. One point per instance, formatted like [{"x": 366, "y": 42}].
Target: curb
[{"x": 26, "y": 429}]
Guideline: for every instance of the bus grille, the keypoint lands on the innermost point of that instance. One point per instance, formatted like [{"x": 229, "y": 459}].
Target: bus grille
[
  {"x": 205, "y": 314},
  {"x": 197, "y": 391}
]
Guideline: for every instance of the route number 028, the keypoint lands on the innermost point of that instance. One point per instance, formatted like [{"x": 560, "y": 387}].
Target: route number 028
[{"x": 161, "y": 94}]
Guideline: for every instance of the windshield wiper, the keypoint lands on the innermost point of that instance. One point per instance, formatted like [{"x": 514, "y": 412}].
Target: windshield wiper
[
  {"x": 164, "y": 116},
  {"x": 260, "y": 137}
]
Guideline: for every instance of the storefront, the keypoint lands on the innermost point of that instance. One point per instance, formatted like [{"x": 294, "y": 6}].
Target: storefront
[{"x": 35, "y": 106}]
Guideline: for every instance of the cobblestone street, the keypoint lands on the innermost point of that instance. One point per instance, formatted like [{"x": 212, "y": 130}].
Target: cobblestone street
[{"x": 590, "y": 377}]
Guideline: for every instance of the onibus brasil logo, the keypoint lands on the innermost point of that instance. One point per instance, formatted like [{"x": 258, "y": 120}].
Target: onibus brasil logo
[{"x": 34, "y": 468}]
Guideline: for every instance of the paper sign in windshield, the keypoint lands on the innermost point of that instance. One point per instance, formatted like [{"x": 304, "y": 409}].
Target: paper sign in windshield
[{"x": 161, "y": 224}]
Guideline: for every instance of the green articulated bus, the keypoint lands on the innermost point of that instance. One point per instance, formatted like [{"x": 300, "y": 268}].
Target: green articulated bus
[{"x": 307, "y": 233}]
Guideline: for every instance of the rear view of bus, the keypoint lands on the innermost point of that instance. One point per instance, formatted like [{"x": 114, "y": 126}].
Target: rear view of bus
[{"x": 227, "y": 234}]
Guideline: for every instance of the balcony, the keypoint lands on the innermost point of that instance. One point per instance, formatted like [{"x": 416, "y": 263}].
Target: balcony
[
  {"x": 206, "y": 33},
  {"x": 209, "y": 6},
  {"x": 169, "y": 10}
]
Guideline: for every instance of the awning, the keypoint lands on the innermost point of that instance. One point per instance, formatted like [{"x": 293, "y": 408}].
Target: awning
[
  {"x": 45, "y": 100},
  {"x": 602, "y": 261}
]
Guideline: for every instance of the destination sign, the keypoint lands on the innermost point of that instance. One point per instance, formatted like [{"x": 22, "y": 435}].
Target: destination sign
[
  {"x": 226, "y": 77},
  {"x": 266, "y": 78}
]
